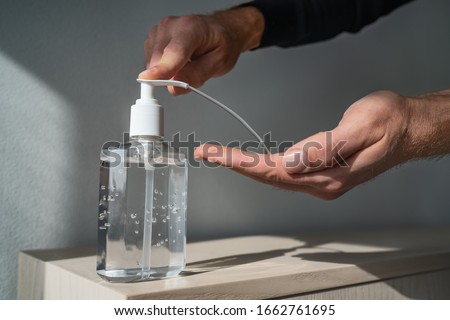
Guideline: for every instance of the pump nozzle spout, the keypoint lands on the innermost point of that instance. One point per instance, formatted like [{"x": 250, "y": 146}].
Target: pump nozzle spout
[{"x": 164, "y": 83}]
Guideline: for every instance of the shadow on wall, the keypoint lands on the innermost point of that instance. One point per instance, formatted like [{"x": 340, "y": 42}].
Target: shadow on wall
[{"x": 58, "y": 112}]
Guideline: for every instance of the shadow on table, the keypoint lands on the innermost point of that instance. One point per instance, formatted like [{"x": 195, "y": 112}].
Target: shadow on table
[{"x": 387, "y": 255}]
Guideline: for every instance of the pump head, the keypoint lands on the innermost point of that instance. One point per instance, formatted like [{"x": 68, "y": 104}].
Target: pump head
[{"x": 147, "y": 115}]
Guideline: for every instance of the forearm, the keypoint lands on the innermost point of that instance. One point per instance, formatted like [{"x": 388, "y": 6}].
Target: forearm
[
  {"x": 429, "y": 125},
  {"x": 296, "y": 22}
]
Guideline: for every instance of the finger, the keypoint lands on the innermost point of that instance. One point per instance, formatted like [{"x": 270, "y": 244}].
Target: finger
[
  {"x": 326, "y": 149},
  {"x": 198, "y": 71},
  {"x": 361, "y": 167},
  {"x": 174, "y": 57},
  {"x": 265, "y": 168},
  {"x": 149, "y": 44},
  {"x": 246, "y": 162}
]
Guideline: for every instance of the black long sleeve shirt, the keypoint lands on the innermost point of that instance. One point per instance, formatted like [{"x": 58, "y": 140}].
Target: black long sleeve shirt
[{"x": 295, "y": 22}]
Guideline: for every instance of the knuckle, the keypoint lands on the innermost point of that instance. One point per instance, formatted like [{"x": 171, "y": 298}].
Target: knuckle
[
  {"x": 335, "y": 187},
  {"x": 180, "y": 23},
  {"x": 380, "y": 101},
  {"x": 189, "y": 20},
  {"x": 167, "y": 21},
  {"x": 152, "y": 32},
  {"x": 178, "y": 48}
]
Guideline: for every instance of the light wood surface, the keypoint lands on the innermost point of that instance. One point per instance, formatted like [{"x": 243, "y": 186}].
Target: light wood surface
[
  {"x": 252, "y": 267},
  {"x": 428, "y": 286}
]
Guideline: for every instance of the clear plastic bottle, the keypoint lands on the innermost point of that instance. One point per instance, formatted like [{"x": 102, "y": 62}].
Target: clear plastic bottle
[
  {"x": 142, "y": 211},
  {"x": 142, "y": 201}
]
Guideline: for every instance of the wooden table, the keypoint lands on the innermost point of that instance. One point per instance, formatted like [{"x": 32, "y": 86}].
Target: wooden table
[{"x": 362, "y": 264}]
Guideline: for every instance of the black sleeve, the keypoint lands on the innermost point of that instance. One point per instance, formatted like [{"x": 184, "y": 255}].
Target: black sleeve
[{"x": 295, "y": 22}]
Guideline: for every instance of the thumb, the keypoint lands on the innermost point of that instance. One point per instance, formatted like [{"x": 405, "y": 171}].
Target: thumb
[{"x": 322, "y": 150}]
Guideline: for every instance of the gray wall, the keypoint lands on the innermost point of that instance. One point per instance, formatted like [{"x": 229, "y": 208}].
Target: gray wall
[{"x": 67, "y": 78}]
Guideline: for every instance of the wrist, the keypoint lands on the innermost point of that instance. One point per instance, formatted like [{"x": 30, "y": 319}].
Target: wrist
[
  {"x": 429, "y": 125},
  {"x": 246, "y": 23}
]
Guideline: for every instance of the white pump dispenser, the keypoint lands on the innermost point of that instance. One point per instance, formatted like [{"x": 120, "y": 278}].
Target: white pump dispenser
[{"x": 147, "y": 116}]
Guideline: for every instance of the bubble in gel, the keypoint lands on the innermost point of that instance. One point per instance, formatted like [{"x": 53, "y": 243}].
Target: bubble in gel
[
  {"x": 104, "y": 198},
  {"x": 154, "y": 220},
  {"x": 163, "y": 207},
  {"x": 156, "y": 191},
  {"x": 102, "y": 228},
  {"x": 164, "y": 220},
  {"x": 133, "y": 215},
  {"x": 137, "y": 222},
  {"x": 136, "y": 231},
  {"x": 107, "y": 224},
  {"x": 103, "y": 187}
]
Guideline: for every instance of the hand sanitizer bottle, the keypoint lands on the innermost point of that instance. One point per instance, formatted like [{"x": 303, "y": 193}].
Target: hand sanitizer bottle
[{"x": 142, "y": 201}]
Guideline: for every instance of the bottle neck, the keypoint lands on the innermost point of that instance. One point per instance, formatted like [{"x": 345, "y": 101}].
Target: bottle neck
[{"x": 146, "y": 138}]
